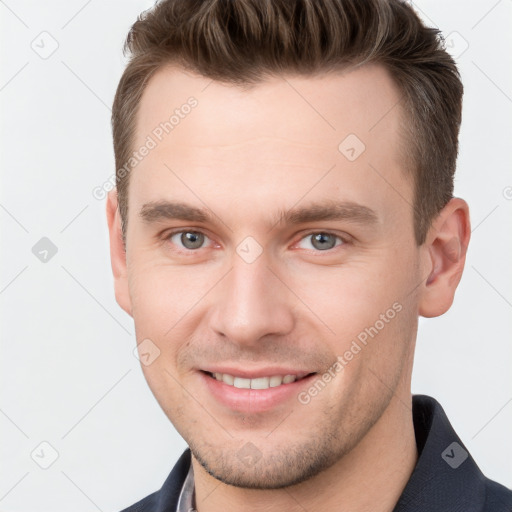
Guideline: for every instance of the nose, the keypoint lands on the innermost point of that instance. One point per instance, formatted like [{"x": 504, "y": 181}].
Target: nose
[{"x": 251, "y": 303}]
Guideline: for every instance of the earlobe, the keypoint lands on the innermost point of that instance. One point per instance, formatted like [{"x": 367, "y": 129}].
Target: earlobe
[
  {"x": 446, "y": 246},
  {"x": 118, "y": 253}
]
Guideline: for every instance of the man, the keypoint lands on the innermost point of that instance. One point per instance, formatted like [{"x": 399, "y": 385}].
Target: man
[{"x": 284, "y": 213}]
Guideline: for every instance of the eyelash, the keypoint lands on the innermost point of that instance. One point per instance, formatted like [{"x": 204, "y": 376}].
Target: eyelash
[{"x": 344, "y": 239}]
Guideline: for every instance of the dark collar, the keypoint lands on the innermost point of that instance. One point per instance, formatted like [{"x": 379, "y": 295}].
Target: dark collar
[{"x": 445, "y": 479}]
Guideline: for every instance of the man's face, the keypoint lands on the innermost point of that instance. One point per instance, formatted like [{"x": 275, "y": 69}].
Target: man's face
[{"x": 267, "y": 283}]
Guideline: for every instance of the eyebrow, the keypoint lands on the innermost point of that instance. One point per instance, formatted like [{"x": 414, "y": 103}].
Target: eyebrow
[
  {"x": 170, "y": 210},
  {"x": 330, "y": 210},
  {"x": 324, "y": 211}
]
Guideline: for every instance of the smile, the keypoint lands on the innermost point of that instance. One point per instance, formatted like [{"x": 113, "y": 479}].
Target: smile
[{"x": 256, "y": 383}]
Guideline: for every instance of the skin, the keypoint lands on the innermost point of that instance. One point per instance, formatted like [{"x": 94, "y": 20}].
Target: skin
[{"x": 248, "y": 155}]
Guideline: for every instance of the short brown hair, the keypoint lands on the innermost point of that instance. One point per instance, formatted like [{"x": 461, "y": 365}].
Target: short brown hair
[{"x": 243, "y": 41}]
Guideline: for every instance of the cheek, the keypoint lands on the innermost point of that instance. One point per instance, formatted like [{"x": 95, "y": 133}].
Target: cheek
[
  {"x": 347, "y": 298},
  {"x": 163, "y": 381},
  {"x": 162, "y": 295},
  {"x": 367, "y": 314}
]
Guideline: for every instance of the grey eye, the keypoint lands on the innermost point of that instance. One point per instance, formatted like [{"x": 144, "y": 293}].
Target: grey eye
[
  {"x": 321, "y": 241},
  {"x": 189, "y": 239}
]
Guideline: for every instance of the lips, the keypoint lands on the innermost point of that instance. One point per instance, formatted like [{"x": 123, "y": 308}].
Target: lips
[
  {"x": 254, "y": 373},
  {"x": 255, "y": 391},
  {"x": 264, "y": 382}
]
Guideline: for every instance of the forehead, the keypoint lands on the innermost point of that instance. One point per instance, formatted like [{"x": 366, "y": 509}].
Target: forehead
[
  {"x": 273, "y": 139},
  {"x": 356, "y": 100}
]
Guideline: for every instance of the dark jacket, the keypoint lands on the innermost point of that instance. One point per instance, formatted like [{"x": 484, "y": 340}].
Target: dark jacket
[{"x": 445, "y": 479}]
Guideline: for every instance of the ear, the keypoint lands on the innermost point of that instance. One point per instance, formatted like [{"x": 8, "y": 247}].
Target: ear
[
  {"x": 445, "y": 255},
  {"x": 118, "y": 253}
]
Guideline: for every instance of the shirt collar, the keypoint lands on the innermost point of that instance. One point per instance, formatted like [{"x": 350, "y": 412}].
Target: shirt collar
[
  {"x": 186, "y": 500},
  {"x": 445, "y": 476}
]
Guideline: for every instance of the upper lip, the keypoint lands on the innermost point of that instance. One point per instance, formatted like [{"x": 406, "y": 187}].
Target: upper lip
[{"x": 254, "y": 373}]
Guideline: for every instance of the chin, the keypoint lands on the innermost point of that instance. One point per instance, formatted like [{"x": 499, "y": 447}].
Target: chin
[{"x": 249, "y": 468}]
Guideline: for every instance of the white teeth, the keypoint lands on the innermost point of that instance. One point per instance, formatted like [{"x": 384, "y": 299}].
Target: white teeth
[
  {"x": 260, "y": 383},
  {"x": 228, "y": 379},
  {"x": 275, "y": 381},
  {"x": 241, "y": 383},
  {"x": 257, "y": 383}
]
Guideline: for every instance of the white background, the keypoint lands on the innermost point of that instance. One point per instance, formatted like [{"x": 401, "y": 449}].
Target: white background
[{"x": 68, "y": 374}]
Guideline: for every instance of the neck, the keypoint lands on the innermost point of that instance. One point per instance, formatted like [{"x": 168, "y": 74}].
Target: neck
[{"x": 371, "y": 476}]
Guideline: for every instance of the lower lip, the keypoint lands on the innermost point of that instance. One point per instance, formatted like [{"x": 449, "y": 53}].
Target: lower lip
[{"x": 253, "y": 400}]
